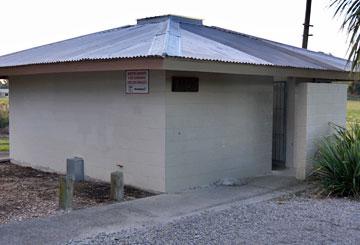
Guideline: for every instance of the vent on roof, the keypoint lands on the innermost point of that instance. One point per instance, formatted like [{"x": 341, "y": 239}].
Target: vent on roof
[{"x": 177, "y": 18}]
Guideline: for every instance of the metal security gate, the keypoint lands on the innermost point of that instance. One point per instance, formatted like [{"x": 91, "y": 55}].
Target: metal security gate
[{"x": 279, "y": 125}]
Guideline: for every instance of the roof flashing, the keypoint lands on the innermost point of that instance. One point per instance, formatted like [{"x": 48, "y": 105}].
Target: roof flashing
[{"x": 176, "y": 18}]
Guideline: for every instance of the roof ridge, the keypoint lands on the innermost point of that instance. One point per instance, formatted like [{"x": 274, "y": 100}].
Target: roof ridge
[
  {"x": 172, "y": 38},
  {"x": 167, "y": 37},
  {"x": 177, "y": 18},
  {"x": 167, "y": 40},
  {"x": 158, "y": 42}
]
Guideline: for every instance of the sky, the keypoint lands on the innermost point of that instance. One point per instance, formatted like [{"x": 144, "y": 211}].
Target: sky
[{"x": 29, "y": 23}]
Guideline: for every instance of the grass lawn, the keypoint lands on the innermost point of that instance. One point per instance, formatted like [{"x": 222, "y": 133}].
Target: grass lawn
[
  {"x": 4, "y": 100},
  {"x": 4, "y": 144},
  {"x": 353, "y": 111}
]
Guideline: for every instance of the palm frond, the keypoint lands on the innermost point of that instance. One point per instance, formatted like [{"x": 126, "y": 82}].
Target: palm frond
[{"x": 350, "y": 9}]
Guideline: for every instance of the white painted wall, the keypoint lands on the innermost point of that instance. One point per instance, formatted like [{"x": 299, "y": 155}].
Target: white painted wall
[
  {"x": 54, "y": 117},
  {"x": 224, "y": 130},
  {"x": 316, "y": 105},
  {"x": 167, "y": 141}
]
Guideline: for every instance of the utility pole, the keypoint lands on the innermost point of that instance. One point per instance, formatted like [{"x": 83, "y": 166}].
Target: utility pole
[{"x": 307, "y": 24}]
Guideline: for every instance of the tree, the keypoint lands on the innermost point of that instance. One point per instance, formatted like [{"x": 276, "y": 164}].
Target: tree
[{"x": 350, "y": 10}]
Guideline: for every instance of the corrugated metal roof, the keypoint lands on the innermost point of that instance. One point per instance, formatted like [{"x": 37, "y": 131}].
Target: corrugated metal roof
[{"x": 175, "y": 36}]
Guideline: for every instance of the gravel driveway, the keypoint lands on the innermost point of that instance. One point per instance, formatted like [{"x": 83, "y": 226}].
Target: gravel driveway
[{"x": 293, "y": 221}]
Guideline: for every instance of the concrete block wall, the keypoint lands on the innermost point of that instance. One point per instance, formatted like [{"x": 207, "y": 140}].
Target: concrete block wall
[
  {"x": 222, "y": 131},
  {"x": 316, "y": 105},
  {"x": 54, "y": 117}
]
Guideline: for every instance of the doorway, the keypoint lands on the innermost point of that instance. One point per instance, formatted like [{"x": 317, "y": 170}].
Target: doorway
[{"x": 279, "y": 126}]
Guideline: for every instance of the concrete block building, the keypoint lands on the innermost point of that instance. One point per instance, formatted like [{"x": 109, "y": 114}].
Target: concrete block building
[{"x": 177, "y": 103}]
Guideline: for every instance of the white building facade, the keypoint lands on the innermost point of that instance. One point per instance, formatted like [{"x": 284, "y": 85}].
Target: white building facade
[
  {"x": 167, "y": 141},
  {"x": 204, "y": 113}
]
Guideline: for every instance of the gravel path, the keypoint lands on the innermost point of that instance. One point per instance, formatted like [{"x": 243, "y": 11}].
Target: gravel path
[{"x": 293, "y": 221}]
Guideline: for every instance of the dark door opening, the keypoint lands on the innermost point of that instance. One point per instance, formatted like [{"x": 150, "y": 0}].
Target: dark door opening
[{"x": 279, "y": 126}]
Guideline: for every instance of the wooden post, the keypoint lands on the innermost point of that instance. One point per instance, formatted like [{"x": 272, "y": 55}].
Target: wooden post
[
  {"x": 66, "y": 192},
  {"x": 117, "y": 186}
]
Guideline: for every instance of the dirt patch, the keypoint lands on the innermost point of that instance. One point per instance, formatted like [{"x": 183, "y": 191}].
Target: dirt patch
[{"x": 28, "y": 193}]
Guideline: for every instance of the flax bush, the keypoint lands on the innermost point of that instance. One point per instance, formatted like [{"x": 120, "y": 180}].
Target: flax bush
[{"x": 338, "y": 161}]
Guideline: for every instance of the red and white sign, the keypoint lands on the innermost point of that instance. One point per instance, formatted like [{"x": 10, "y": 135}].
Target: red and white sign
[{"x": 137, "y": 82}]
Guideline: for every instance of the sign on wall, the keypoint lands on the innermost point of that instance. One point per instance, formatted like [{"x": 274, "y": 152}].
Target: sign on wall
[{"x": 137, "y": 82}]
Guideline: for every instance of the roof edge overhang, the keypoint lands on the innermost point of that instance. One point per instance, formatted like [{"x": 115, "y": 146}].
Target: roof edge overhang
[
  {"x": 154, "y": 62},
  {"x": 183, "y": 64},
  {"x": 176, "y": 64}
]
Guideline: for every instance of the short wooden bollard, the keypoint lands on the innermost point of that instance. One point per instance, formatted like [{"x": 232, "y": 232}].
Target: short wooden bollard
[
  {"x": 117, "y": 186},
  {"x": 66, "y": 192}
]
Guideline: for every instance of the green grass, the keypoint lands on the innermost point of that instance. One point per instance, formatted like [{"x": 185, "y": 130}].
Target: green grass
[
  {"x": 4, "y": 144},
  {"x": 4, "y": 100},
  {"x": 353, "y": 111}
]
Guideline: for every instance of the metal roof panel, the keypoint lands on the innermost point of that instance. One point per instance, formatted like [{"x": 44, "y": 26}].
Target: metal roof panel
[{"x": 175, "y": 36}]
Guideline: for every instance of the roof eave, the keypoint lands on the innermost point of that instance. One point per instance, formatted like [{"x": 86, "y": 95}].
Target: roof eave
[
  {"x": 153, "y": 62},
  {"x": 177, "y": 64},
  {"x": 183, "y": 64}
]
